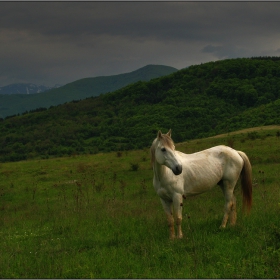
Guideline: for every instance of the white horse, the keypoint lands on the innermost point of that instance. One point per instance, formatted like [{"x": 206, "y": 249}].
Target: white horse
[{"x": 178, "y": 175}]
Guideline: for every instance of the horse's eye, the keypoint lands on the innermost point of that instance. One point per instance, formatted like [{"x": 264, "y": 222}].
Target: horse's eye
[{"x": 163, "y": 149}]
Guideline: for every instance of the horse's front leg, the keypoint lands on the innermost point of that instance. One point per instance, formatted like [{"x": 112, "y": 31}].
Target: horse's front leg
[
  {"x": 167, "y": 206},
  {"x": 178, "y": 206}
]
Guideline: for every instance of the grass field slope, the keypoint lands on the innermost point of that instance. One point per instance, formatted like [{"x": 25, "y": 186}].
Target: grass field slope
[{"x": 98, "y": 216}]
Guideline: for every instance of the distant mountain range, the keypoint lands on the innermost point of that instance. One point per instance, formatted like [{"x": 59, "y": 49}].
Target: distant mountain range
[
  {"x": 18, "y": 103},
  {"x": 24, "y": 88}
]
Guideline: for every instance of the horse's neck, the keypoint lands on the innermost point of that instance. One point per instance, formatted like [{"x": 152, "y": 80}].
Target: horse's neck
[{"x": 159, "y": 171}]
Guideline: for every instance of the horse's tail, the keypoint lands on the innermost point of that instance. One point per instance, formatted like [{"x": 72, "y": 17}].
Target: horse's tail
[{"x": 246, "y": 181}]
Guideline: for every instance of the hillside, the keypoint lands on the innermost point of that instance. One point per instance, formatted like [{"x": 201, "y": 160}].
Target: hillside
[
  {"x": 80, "y": 89},
  {"x": 200, "y": 101}
]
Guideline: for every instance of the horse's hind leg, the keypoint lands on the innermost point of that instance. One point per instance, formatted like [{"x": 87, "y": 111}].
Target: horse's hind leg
[
  {"x": 167, "y": 206},
  {"x": 230, "y": 204},
  {"x": 232, "y": 216}
]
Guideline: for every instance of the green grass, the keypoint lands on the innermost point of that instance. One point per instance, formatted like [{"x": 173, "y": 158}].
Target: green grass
[{"x": 96, "y": 216}]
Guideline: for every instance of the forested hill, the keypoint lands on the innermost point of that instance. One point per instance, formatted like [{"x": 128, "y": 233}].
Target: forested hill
[
  {"x": 78, "y": 90},
  {"x": 199, "y": 101}
]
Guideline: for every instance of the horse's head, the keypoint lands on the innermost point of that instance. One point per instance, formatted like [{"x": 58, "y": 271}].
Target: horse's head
[{"x": 163, "y": 151}]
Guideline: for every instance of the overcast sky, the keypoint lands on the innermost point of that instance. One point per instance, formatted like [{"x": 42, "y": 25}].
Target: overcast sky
[{"x": 50, "y": 43}]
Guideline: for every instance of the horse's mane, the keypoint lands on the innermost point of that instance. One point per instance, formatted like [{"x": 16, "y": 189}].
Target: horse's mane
[{"x": 165, "y": 141}]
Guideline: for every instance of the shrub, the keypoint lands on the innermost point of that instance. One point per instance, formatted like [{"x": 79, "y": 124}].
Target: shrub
[
  {"x": 134, "y": 166},
  {"x": 252, "y": 135}
]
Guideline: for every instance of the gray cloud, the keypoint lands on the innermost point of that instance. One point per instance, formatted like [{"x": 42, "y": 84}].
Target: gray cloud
[
  {"x": 59, "y": 42},
  {"x": 226, "y": 51}
]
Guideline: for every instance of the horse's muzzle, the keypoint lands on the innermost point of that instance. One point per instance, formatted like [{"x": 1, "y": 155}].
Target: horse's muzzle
[{"x": 177, "y": 170}]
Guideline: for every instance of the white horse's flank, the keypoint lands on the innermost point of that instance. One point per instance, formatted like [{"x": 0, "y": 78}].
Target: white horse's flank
[{"x": 178, "y": 175}]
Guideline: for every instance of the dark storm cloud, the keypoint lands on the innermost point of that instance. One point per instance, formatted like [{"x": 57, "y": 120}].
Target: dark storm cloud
[{"x": 58, "y": 42}]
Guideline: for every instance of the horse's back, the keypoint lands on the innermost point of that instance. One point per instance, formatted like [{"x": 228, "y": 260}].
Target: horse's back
[{"x": 220, "y": 152}]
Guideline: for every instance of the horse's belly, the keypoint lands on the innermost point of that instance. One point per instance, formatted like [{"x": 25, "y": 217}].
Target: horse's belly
[
  {"x": 200, "y": 182},
  {"x": 195, "y": 190}
]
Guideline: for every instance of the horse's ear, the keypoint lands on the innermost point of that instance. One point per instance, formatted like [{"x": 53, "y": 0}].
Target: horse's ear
[
  {"x": 169, "y": 133},
  {"x": 159, "y": 134}
]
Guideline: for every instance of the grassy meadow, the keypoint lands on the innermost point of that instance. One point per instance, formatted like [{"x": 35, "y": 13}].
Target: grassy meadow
[{"x": 98, "y": 216}]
